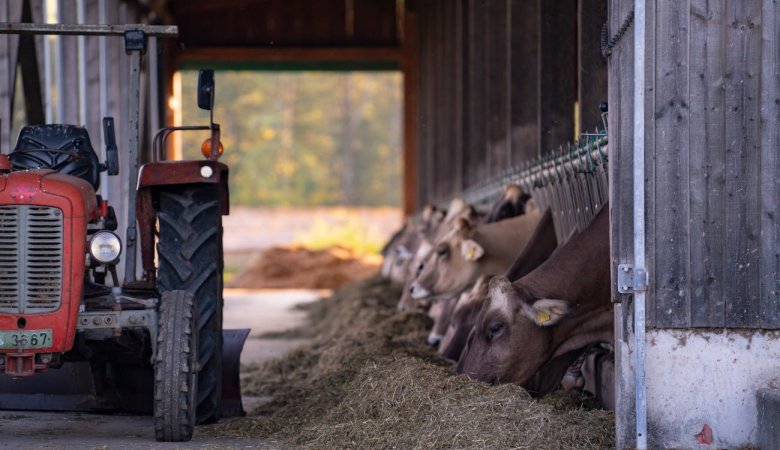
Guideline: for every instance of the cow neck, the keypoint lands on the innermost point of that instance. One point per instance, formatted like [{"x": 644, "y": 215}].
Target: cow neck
[
  {"x": 503, "y": 240},
  {"x": 579, "y": 270}
]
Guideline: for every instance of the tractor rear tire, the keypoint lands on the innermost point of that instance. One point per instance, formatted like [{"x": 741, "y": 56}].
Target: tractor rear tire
[
  {"x": 175, "y": 377},
  {"x": 189, "y": 251}
]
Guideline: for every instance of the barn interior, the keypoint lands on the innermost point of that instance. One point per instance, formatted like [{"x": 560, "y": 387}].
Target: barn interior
[{"x": 494, "y": 93}]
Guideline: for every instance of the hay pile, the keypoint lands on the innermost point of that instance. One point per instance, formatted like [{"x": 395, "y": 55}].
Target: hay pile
[
  {"x": 369, "y": 381},
  {"x": 302, "y": 268}
]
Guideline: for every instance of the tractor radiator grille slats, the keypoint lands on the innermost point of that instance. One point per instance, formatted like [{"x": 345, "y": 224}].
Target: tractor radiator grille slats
[{"x": 30, "y": 259}]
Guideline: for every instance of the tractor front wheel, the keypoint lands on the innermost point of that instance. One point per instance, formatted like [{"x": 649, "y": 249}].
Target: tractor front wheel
[
  {"x": 175, "y": 363},
  {"x": 189, "y": 250}
]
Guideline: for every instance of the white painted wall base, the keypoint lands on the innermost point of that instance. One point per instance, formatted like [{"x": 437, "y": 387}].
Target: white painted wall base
[{"x": 707, "y": 377}]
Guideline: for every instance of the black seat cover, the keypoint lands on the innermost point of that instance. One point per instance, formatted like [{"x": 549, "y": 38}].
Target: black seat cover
[{"x": 64, "y": 148}]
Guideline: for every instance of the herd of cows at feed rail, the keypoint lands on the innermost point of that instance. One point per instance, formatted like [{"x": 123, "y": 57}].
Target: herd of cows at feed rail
[{"x": 510, "y": 303}]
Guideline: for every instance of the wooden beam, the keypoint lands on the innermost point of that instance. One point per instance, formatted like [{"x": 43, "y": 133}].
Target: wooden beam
[
  {"x": 292, "y": 54},
  {"x": 592, "y": 67}
]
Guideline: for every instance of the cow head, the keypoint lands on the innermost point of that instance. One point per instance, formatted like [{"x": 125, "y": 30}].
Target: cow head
[
  {"x": 453, "y": 264},
  {"x": 464, "y": 317},
  {"x": 415, "y": 267},
  {"x": 511, "y": 204},
  {"x": 513, "y": 336},
  {"x": 441, "y": 313}
]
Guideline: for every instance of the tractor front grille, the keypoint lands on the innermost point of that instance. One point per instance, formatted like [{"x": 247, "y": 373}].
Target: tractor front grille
[{"x": 30, "y": 259}]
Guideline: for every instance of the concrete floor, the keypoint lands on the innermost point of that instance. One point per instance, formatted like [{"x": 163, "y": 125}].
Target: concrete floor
[{"x": 262, "y": 311}]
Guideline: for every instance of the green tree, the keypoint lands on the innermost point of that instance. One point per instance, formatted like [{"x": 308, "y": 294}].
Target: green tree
[{"x": 305, "y": 138}]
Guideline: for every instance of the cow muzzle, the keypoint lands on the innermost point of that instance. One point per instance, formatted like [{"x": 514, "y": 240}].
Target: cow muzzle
[
  {"x": 418, "y": 291},
  {"x": 434, "y": 339}
]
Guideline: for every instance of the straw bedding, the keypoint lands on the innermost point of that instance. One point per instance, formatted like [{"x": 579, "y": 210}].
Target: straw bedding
[{"x": 369, "y": 381}]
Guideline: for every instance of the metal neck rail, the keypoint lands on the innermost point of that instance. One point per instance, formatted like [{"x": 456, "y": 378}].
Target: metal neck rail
[{"x": 572, "y": 182}]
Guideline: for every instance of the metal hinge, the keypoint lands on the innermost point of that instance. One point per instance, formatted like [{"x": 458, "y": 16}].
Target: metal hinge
[{"x": 630, "y": 280}]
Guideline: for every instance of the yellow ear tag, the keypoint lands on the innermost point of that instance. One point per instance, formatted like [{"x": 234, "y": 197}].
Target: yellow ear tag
[
  {"x": 471, "y": 253},
  {"x": 543, "y": 316}
]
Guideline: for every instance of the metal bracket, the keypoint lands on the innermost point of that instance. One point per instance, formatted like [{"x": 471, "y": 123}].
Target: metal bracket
[
  {"x": 630, "y": 280},
  {"x": 135, "y": 41}
]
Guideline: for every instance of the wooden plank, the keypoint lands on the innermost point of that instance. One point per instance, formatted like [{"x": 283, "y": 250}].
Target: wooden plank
[
  {"x": 652, "y": 48},
  {"x": 443, "y": 161},
  {"x": 558, "y": 77},
  {"x": 592, "y": 67},
  {"x": 422, "y": 107},
  {"x": 769, "y": 306},
  {"x": 460, "y": 67},
  {"x": 671, "y": 166},
  {"x": 477, "y": 130},
  {"x": 524, "y": 79},
  {"x": 707, "y": 146},
  {"x": 743, "y": 59},
  {"x": 621, "y": 71},
  {"x": 428, "y": 118},
  {"x": 498, "y": 100},
  {"x": 440, "y": 161},
  {"x": 450, "y": 101},
  {"x": 411, "y": 95}
]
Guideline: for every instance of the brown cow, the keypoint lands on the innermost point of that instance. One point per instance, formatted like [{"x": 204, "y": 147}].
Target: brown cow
[
  {"x": 406, "y": 246},
  {"x": 464, "y": 316},
  {"x": 467, "y": 252},
  {"x": 548, "y": 315},
  {"x": 459, "y": 212}
]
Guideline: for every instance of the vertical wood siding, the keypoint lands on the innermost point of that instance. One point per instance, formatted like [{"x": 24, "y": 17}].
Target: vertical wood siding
[
  {"x": 712, "y": 134},
  {"x": 498, "y": 84}
]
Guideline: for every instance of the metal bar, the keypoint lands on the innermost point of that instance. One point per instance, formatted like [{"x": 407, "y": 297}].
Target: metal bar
[
  {"x": 81, "y": 47},
  {"x": 535, "y": 174},
  {"x": 639, "y": 220},
  {"x": 154, "y": 87},
  {"x": 132, "y": 156},
  {"x": 59, "y": 73},
  {"x": 103, "y": 91},
  {"x": 86, "y": 29},
  {"x": 47, "y": 63}
]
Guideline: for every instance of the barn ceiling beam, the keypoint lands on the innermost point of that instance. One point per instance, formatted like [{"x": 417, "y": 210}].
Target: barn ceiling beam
[{"x": 288, "y": 54}]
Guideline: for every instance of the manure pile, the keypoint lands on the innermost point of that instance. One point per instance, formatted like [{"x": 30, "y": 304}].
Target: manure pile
[
  {"x": 369, "y": 381},
  {"x": 302, "y": 268}
]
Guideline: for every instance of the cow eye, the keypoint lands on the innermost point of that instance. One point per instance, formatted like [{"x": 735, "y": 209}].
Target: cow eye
[
  {"x": 443, "y": 250},
  {"x": 495, "y": 330},
  {"x": 420, "y": 267}
]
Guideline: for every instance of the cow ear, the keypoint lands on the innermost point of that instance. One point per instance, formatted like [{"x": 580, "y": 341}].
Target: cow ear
[
  {"x": 462, "y": 225},
  {"x": 471, "y": 250},
  {"x": 546, "y": 312}
]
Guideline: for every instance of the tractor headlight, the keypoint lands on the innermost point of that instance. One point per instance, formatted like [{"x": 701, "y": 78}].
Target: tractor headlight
[{"x": 105, "y": 247}]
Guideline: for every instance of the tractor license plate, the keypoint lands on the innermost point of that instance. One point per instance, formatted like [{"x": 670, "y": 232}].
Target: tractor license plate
[{"x": 25, "y": 339}]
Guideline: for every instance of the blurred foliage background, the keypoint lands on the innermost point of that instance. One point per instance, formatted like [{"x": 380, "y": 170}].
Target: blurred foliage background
[{"x": 305, "y": 138}]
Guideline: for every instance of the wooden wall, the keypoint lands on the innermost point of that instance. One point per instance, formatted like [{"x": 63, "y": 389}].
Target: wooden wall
[
  {"x": 498, "y": 85},
  {"x": 712, "y": 134},
  {"x": 286, "y": 23}
]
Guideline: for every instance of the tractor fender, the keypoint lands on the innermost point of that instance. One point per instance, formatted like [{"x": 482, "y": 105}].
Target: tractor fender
[
  {"x": 156, "y": 176},
  {"x": 160, "y": 176}
]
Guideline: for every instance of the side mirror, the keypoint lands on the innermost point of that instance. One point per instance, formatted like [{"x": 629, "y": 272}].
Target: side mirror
[
  {"x": 206, "y": 89},
  {"x": 112, "y": 154}
]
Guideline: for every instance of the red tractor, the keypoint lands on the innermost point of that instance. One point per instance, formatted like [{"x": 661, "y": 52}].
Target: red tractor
[{"x": 74, "y": 336}]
